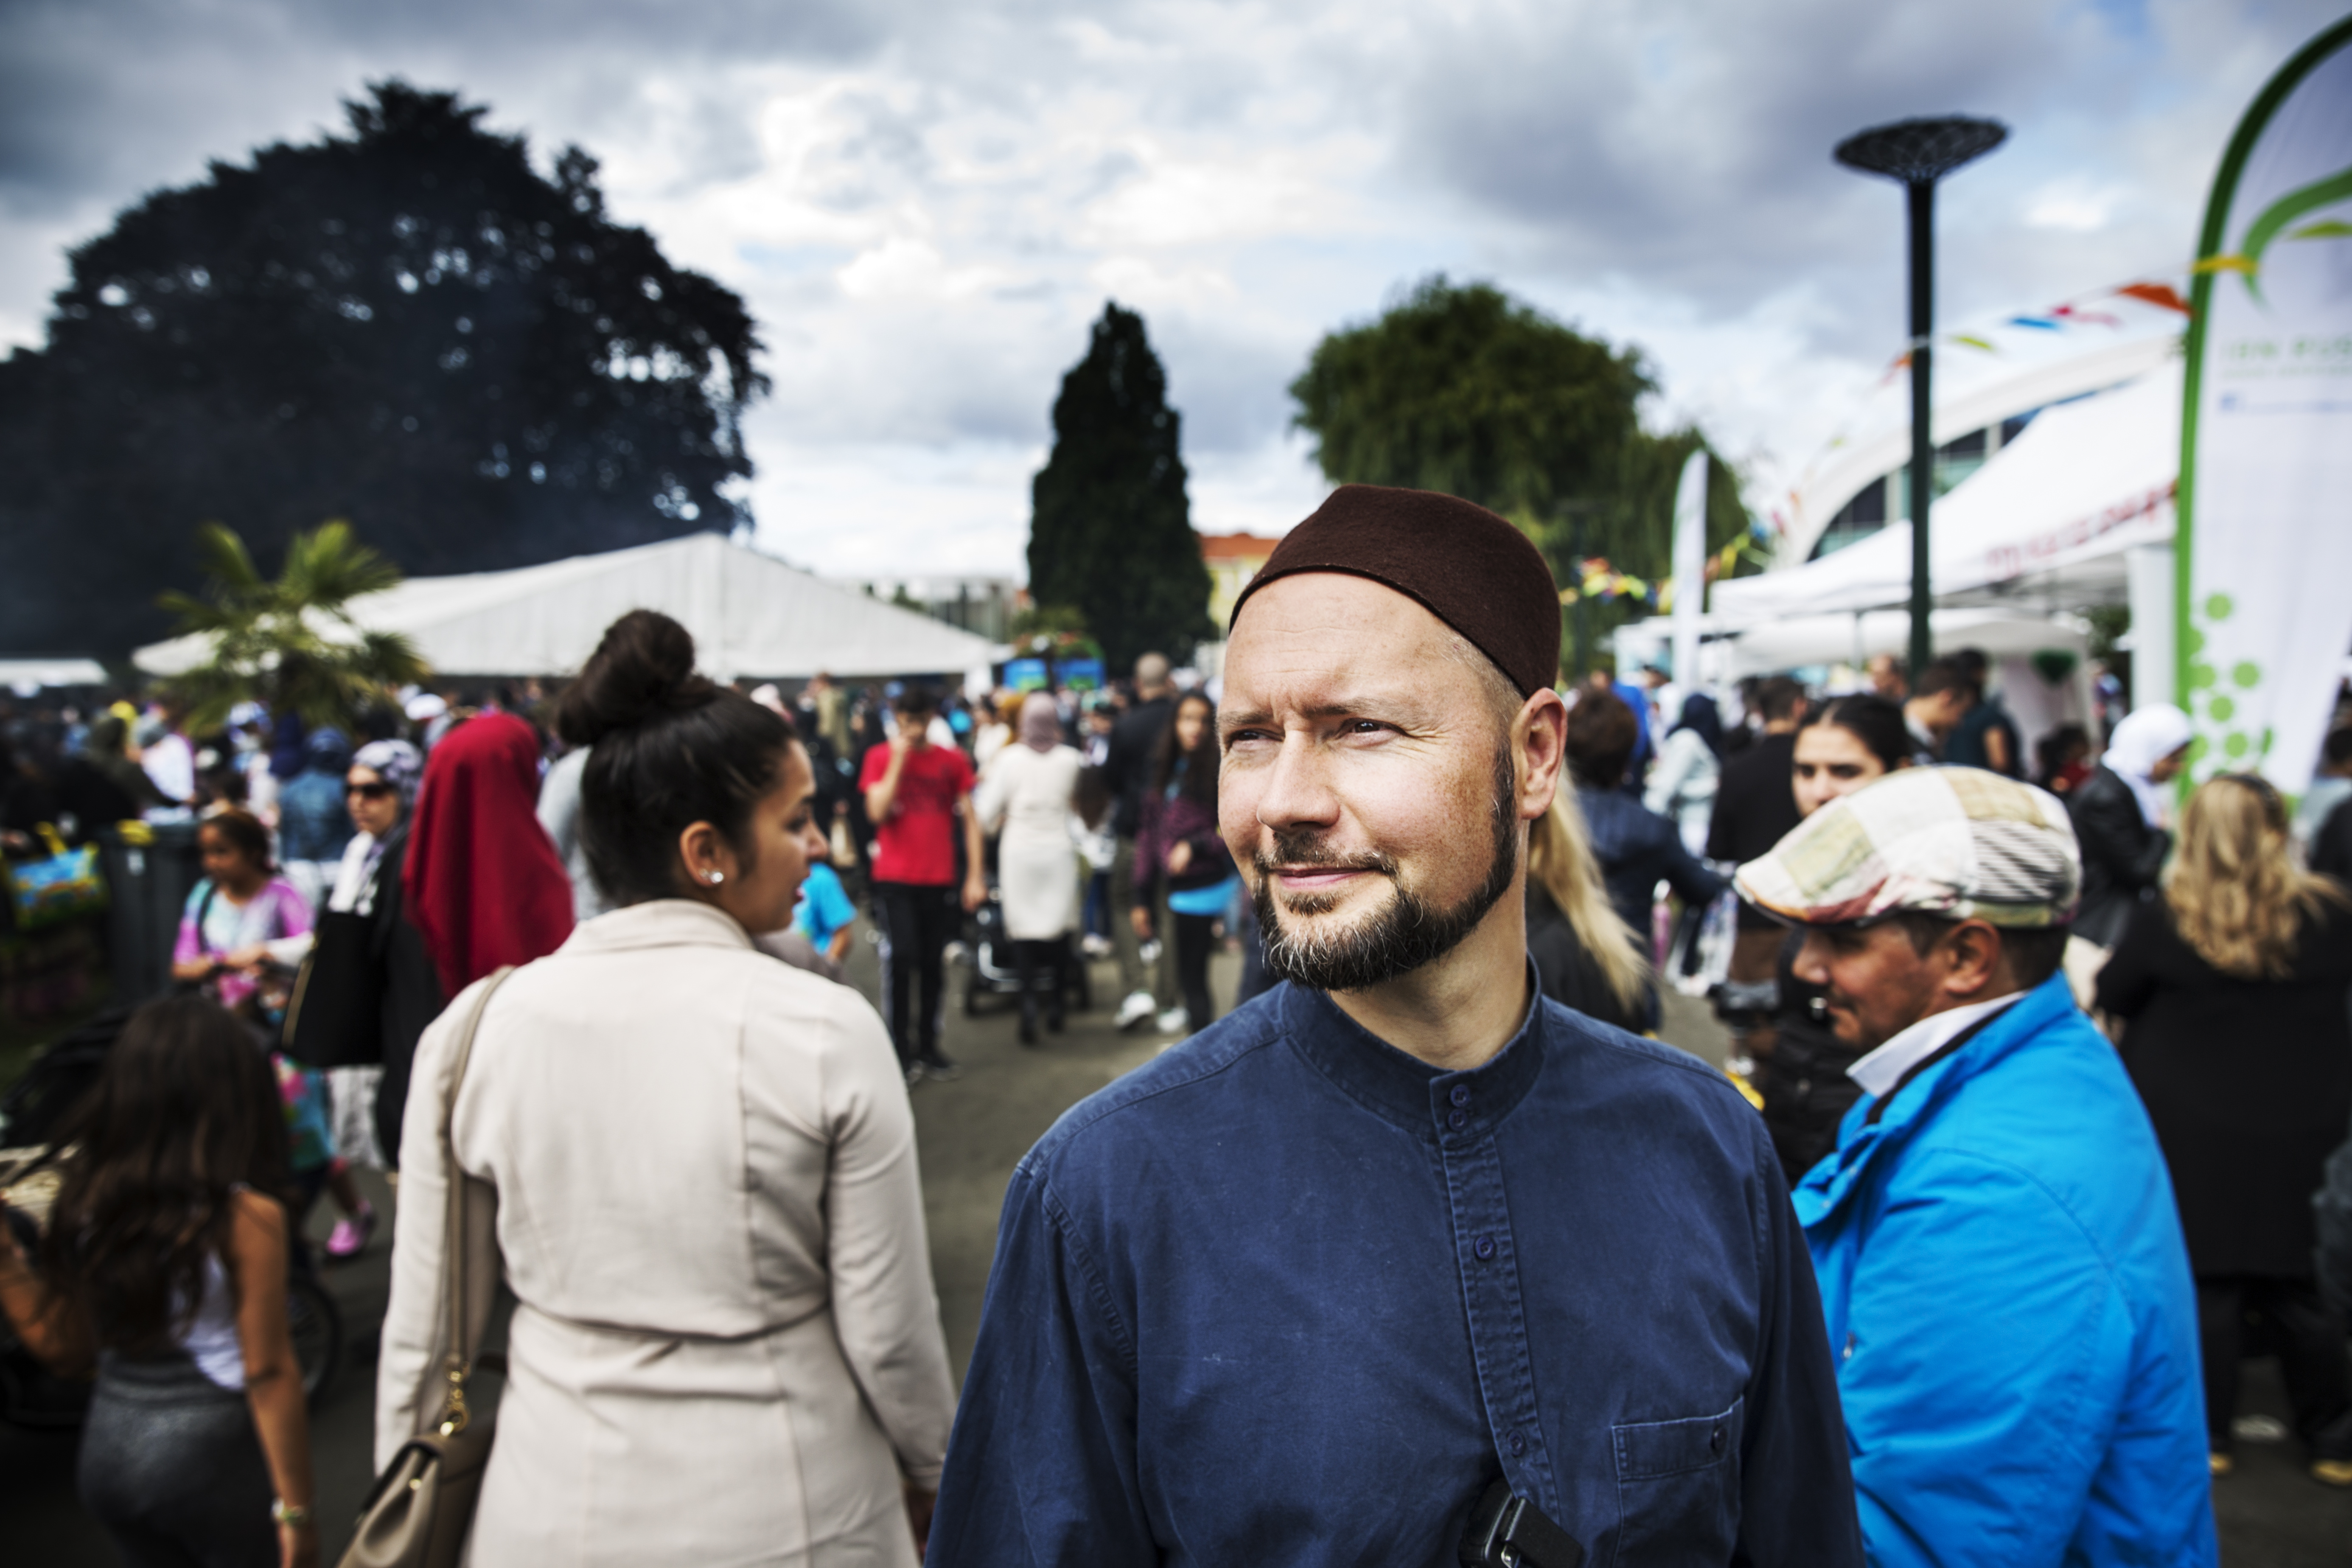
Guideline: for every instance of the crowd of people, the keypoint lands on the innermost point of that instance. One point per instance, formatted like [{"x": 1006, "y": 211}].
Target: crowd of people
[{"x": 2034, "y": 1081}]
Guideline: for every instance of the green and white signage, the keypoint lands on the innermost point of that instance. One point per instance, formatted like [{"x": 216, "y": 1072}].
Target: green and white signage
[{"x": 2265, "y": 496}]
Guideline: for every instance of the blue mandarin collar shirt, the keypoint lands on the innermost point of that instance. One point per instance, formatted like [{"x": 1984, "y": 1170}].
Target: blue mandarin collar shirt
[{"x": 1288, "y": 1295}]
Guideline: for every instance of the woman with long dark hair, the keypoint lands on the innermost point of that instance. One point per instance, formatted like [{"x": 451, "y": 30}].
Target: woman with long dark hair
[
  {"x": 165, "y": 1259},
  {"x": 725, "y": 1345},
  {"x": 2233, "y": 988},
  {"x": 1178, "y": 842}
]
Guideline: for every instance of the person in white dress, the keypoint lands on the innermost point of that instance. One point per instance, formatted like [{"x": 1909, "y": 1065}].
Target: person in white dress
[
  {"x": 1031, "y": 789},
  {"x": 726, "y": 1345}
]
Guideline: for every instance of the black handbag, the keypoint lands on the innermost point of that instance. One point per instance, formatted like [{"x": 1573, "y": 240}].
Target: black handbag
[{"x": 335, "y": 1017}]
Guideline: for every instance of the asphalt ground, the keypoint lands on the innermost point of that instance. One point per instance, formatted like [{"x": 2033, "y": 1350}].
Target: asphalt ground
[{"x": 972, "y": 1131}]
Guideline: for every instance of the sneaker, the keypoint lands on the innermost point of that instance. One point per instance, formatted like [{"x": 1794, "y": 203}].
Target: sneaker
[
  {"x": 1135, "y": 1009},
  {"x": 939, "y": 1069},
  {"x": 1175, "y": 1021},
  {"x": 2221, "y": 1464},
  {"x": 914, "y": 1073},
  {"x": 2332, "y": 1472},
  {"x": 352, "y": 1232}
]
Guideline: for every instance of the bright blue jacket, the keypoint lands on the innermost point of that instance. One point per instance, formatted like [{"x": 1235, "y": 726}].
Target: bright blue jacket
[{"x": 2007, "y": 1294}]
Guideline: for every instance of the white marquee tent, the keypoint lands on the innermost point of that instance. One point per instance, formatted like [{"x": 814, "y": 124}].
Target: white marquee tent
[
  {"x": 2047, "y": 523},
  {"x": 751, "y": 615}
]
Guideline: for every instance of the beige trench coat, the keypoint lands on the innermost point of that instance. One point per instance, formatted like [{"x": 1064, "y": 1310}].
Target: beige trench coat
[{"x": 726, "y": 1347}]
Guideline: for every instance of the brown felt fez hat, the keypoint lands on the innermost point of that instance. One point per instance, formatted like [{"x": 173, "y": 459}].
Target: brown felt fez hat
[{"x": 1458, "y": 560}]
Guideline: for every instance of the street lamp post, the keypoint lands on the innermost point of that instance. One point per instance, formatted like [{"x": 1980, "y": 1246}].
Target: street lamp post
[{"x": 1918, "y": 153}]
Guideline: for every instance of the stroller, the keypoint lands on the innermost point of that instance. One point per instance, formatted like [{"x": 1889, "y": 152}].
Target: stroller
[
  {"x": 30, "y": 1114},
  {"x": 990, "y": 970}
]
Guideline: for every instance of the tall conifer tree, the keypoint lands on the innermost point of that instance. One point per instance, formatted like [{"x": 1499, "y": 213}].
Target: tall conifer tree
[{"x": 1111, "y": 531}]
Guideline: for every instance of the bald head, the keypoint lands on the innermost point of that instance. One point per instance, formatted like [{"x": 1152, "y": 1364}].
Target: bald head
[{"x": 1151, "y": 675}]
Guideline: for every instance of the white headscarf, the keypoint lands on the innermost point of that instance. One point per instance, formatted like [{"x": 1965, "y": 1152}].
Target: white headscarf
[{"x": 2145, "y": 738}]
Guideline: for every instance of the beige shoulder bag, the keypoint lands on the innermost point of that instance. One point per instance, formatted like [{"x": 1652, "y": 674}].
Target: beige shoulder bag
[{"x": 422, "y": 1508}]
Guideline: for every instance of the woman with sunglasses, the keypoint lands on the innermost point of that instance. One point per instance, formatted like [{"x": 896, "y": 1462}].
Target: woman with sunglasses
[
  {"x": 2233, "y": 988},
  {"x": 379, "y": 788}
]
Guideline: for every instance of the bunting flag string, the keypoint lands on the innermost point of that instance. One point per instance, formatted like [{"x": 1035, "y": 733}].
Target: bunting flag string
[
  {"x": 2058, "y": 318},
  {"x": 1594, "y": 578}
]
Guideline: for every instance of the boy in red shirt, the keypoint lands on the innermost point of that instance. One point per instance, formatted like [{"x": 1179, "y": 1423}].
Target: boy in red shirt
[{"x": 914, "y": 792}]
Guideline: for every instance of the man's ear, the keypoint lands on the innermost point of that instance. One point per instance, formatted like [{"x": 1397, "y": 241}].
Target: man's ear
[
  {"x": 1973, "y": 960},
  {"x": 1539, "y": 736}
]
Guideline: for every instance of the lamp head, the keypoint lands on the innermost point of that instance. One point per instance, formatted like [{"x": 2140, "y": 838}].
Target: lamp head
[{"x": 1920, "y": 152}]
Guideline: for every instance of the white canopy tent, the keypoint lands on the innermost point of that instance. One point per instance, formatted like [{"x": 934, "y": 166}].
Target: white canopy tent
[
  {"x": 2048, "y": 522},
  {"x": 25, "y": 676},
  {"x": 751, "y": 615},
  {"x": 2008, "y": 639}
]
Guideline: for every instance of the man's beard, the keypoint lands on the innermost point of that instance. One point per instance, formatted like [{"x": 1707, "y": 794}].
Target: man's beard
[{"x": 1403, "y": 934}]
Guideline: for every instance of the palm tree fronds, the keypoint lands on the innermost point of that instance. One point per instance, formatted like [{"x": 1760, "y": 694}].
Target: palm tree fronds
[{"x": 291, "y": 643}]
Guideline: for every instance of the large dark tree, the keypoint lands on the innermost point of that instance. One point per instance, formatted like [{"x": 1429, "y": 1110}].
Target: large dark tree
[
  {"x": 1111, "y": 531},
  {"x": 1460, "y": 388},
  {"x": 408, "y": 326}
]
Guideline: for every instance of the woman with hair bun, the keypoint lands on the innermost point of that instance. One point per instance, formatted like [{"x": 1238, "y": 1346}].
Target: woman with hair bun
[{"x": 725, "y": 1345}]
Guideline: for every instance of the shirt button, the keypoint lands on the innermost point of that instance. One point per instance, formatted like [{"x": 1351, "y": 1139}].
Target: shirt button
[
  {"x": 1518, "y": 1444},
  {"x": 1714, "y": 1441},
  {"x": 1457, "y": 1119},
  {"x": 1484, "y": 1247},
  {"x": 1461, "y": 1094}
]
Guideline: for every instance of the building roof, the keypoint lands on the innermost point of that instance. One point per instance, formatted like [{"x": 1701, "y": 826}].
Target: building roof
[{"x": 1236, "y": 547}]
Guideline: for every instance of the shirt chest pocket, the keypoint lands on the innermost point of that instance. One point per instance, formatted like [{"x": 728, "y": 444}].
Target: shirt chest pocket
[{"x": 1677, "y": 1489}]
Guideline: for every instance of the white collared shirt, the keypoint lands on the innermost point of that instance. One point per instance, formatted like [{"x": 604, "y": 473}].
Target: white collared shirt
[{"x": 1882, "y": 1068}]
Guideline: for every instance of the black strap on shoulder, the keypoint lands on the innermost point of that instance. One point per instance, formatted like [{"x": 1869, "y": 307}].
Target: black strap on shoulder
[{"x": 1949, "y": 1047}]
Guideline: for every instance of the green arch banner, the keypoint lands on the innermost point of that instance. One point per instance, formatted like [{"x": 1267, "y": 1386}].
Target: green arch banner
[{"x": 2264, "y": 546}]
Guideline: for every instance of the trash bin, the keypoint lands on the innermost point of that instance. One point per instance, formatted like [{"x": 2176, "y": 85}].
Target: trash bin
[{"x": 150, "y": 868}]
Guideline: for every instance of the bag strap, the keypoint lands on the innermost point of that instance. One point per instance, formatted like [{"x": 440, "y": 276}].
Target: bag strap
[{"x": 460, "y": 1362}]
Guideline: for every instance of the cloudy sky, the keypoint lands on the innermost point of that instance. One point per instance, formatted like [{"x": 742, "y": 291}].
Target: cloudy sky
[{"x": 926, "y": 202}]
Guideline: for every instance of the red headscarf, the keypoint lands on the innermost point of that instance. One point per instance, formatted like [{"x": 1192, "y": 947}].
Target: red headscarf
[{"x": 483, "y": 882}]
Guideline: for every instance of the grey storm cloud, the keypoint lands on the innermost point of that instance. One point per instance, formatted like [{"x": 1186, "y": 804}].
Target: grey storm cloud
[{"x": 927, "y": 202}]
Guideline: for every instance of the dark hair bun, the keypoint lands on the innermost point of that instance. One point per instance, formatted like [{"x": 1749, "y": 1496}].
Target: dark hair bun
[{"x": 643, "y": 667}]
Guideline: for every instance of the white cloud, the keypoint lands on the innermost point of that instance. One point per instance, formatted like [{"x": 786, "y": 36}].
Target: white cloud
[{"x": 926, "y": 204}]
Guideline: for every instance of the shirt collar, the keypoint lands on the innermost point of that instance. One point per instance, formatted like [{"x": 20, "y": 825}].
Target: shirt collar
[
  {"x": 1882, "y": 1068},
  {"x": 657, "y": 922},
  {"x": 1451, "y": 1109}
]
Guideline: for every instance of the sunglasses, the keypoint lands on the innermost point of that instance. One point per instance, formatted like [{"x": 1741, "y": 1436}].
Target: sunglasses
[{"x": 368, "y": 791}]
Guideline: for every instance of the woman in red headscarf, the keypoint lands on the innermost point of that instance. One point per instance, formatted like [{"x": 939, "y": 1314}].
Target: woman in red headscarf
[{"x": 484, "y": 886}]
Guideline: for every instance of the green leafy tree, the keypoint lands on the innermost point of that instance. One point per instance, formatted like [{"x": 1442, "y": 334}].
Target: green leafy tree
[
  {"x": 409, "y": 326},
  {"x": 291, "y": 643},
  {"x": 1110, "y": 532},
  {"x": 1462, "y": 389}
]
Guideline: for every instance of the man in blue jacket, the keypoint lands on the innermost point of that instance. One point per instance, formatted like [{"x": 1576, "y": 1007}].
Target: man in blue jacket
[{"x": 2002, "y": 1266}]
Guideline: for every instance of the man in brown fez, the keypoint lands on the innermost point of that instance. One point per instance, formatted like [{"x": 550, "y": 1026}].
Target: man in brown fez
[{"x": 1400, "y": 1263}]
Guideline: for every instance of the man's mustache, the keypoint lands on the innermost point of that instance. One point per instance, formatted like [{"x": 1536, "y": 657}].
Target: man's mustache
[{"x": 1293, "y": 850}]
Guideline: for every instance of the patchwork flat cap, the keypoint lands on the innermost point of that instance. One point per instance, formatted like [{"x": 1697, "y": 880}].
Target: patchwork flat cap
[{"x": 1961, "y": 843}]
